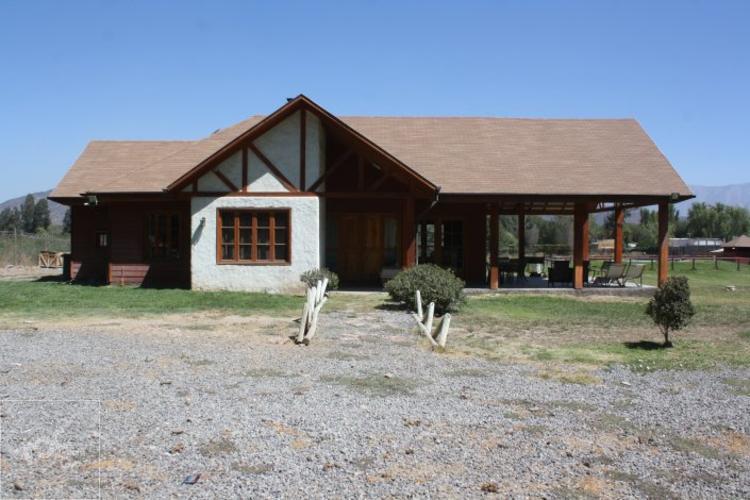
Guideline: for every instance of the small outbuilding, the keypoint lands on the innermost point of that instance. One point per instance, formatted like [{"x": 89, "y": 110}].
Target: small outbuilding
[{"x": 737, "y": 247}]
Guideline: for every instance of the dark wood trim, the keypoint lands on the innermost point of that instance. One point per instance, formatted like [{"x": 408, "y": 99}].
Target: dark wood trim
[
  {"x": 663, "y": 244},
  {"x": 618, "y": 236},
  {"x": 521, "y": 234},
  {"x": 254, "y": 261},
  {"x": 360, "y": 173},
  {"x": 223, "y": 178},
  {"x": 364, "y": 195},
  {"x": 275, "y": 171},
  {"x": 494, "y": 243},
  {"x": 240, "y": 194},
  {"x": 244, "y": 170},
  {"x": 408, "y": 234},
  {"x": 550, "y": 198},
  {"x": 580, "y": 241},
  {"x": 331, "y": 169},
  {"x": 381, "y": 155},
  {"x": 226, "y": 151},
  {"x": 379, "y": 182},
  {"x": 302, "y": 147}
]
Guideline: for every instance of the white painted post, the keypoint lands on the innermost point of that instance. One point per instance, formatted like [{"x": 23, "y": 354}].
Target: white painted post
[
  {"x": 442, "y": 336},
  {"x": 419, "y": 306}
]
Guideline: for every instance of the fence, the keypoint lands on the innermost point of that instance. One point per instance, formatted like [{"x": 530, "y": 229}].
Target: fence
[
  {"x": 716, "y": 261},
  {"x": 22, "y": 249}
]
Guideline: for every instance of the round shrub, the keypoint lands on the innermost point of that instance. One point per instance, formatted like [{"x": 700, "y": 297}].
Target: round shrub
[
  {"x": 436, "y": 285},
  {"x": 312, "y": 277}
]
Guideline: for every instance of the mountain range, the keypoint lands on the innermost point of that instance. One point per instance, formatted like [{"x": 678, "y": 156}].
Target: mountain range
[{"x": 732, "y": 194}]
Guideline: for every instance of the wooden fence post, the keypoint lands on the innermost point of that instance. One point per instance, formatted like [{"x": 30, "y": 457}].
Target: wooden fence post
[{"x": 693, "y": 263}]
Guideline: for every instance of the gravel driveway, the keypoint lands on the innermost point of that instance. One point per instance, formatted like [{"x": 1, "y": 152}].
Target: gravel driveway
[{"x": 366, "y": 411}]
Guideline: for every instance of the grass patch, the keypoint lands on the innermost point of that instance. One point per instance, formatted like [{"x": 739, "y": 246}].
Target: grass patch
[
  {"x": 58, "y": 299},
  {"x": 468, "y": 373},
  {"x": 738, "y": 386},
  {"x": 687, "y": 445},
  {"x": 374, "y": 384},
  {"x": 567, "y": 377}
]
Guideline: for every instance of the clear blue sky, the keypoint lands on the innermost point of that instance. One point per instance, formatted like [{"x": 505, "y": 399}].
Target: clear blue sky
[{"x": 75, "y": 71}]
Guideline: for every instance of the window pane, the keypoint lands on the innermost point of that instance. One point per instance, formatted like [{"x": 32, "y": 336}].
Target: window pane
[
  {"x": 227, "y": 235},
  {"x": 264, "y": 236},
  {"x": 263, "y": 252},
  {"x": 246, "y": 236},
  {"x": 227, "y": 219},
  {"x": 281, "y": 219},
  {"x": 262, "y": 220},
  {"x": 227, "y": 252},
  {"x": 245, "y": 252},
  {"x": 281, "y": 235},
  {"x": 280, "y": 252},
  {"x": 246, "y": 219}
]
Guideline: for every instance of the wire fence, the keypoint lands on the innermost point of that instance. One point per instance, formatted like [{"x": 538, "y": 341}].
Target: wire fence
[{"x": 22, "y": 249}]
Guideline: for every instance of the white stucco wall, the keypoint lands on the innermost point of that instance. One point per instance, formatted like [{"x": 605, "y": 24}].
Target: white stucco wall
[{"x": 305, "y": 250}]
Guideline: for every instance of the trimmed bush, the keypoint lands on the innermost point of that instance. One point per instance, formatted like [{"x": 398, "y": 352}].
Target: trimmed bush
[
  {"x": 312, "y": 276},
  {"x": 670, "y": 307},
  {"x": 436, "y": 285}
]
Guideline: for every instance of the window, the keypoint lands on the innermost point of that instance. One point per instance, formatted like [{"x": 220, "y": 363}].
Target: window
[
  {"x": 102, "y": 239},
  {"x": 163, "y": 238},
  {"x": 253, "y": 236}
]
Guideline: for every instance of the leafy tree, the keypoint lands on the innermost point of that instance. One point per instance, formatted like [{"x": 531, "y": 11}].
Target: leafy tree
[
  {"x": 66, "y": 223},
  {"x": 27, "y": 214},
  {"x": 10, "y": 219},
  {"x": 41, "y": 215},
  {"x": 717, "y": 221},
  {"x": 670, "y": 307}
]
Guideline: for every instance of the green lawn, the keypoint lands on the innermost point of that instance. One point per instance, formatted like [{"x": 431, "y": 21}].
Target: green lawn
[
  {"x": 592, "y": 331},
  {"x": 562, "y": 330},
  {"x": 56, "y": 299}
]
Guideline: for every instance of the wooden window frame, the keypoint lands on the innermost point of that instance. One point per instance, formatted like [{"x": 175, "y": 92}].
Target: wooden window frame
[
  {"x": 254, "y": 261},
  {"x": 148, "y": 250}
]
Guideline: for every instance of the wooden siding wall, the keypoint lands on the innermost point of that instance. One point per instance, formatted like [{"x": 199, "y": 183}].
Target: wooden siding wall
[
  {"x": 125, "y": 261},
  {"x": 88, "y": 263}
]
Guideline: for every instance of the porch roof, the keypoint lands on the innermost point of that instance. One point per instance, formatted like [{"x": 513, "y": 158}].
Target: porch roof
[{"x": 461, "y": 155}]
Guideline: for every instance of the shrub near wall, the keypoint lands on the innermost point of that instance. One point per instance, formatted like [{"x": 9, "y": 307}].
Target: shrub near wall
[
  {"x": 311, "y": 278},
  {"x": 436, "y": 285}
]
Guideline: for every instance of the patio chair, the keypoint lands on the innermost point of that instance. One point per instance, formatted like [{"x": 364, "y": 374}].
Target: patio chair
[
  {"x": 634, "y": 274},
  {"x": 560, "y": 272},
  {"x": 611, "y": 273}
]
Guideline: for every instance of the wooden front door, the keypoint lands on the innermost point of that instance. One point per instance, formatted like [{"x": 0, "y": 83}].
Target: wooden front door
[{"x": 361, "y": 247}]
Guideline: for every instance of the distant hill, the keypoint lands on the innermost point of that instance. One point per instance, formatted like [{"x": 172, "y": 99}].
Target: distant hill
[
  {"x": 733, "y": 194},
  {"x": 56, "y": 211}
]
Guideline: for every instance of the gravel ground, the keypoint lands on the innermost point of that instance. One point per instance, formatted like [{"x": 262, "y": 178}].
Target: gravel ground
[{"x": 366, "y": 411}]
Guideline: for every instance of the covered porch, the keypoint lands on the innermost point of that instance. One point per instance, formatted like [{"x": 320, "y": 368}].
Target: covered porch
[{"x": 463, "y": 233}]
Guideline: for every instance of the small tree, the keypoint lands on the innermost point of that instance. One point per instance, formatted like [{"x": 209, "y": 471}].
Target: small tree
[
  {"x": 41, "y": 214},
  {"x": 670, "y": 307},
  {"x": 27, "y": 214},
  {"x": 311, "y": 278}
]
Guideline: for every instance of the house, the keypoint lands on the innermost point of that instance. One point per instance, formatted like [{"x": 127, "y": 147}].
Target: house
[
  {"x": 252, "y": 206},
  {"x": 737, "y": 247}
]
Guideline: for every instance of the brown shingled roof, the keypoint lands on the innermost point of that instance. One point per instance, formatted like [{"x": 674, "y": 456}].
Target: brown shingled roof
[{"x": 461, "y": 155}]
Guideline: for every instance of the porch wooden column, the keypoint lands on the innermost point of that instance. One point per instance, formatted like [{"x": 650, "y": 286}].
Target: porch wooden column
[
  {"x": 494, "y": 270},
  {"x": 580, "y": 242},
  {"x": 619, "y": 221},
  {"x": 408, "y": 235},
  {"x": 521, "y": 235},
  {"x": 662, "y": 244}
]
